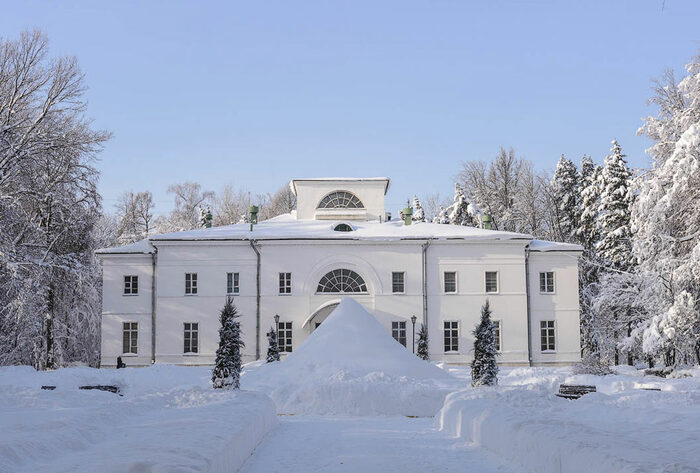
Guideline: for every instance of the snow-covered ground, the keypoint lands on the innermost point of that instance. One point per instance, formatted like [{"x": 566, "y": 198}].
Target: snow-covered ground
[
  {"x": 623, "y": 427},
  {"x": 351, "y": 365},
  {"x": 168, "y": 420}
]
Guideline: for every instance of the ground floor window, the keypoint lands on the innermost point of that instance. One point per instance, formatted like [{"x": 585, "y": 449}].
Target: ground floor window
[
  {"x": 398, "y": 331},
  {"x": 191, "y": 337},
  {"x": 232, "y": 283},
  {"x": 547, "y": 335},
  {"x": 497, "y": 333},
  {"x": 131, "y": 337},
  {"x": 284, "y": 337},
  {"x": 451, "y": 332}
]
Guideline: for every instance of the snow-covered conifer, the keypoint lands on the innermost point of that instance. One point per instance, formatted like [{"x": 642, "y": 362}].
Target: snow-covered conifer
[
  {"x": 273, "y": 349},
  {"x": 422, "y": 349},
  {"x": 462, "y": 211},
  {"x": 227, "y": 367},
  {"x": 418, "y": 212},
  {"x": 484, "y": 366},
  {"x": 589, "y": 197},
  {"x": 565, "y": 186}
]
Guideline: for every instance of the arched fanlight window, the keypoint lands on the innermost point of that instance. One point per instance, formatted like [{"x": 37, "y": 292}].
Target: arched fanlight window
[
  {"x": 342, "y": 227},
  {"x": 340, "y": 200},
  {"x": 341, "y": 281}
]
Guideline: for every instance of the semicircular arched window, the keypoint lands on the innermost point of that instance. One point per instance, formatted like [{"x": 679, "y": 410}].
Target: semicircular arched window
[
  {"x": 342, "y": 227},
  {"x": 340, "y": 200},
  {"x": 341, "y": 281}
]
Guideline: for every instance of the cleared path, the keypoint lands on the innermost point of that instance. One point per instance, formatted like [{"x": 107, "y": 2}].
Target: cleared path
[{"x": 366, "y": 445}]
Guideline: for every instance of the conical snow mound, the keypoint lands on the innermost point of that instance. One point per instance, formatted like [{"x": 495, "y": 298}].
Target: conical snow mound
[{"x": 351, "y": 365}]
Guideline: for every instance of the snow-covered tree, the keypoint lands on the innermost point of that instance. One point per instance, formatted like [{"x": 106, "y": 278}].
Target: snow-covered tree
[
  {"x": 589, "y": 191},
  {"x": 484, "y": 366},
  {"x": 135, "y": 213},
  {"x": 565, "y": 186},
  {"x": 418, "y": 213},
  {"x": 616, "y": 198},
  {"x": 188, "y": 198},
  {"x": 422, "y": 348},
  {"x": 49, "y": 207},
  {"x": 461, "y": 212},
  {"x": 273, "y": 349},
  {"x": 228, "y": 364},
  {"x": 281, "y": 202}
]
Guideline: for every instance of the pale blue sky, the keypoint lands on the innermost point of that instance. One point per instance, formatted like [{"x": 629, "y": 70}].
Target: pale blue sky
[{"x": 257, "y": 93}]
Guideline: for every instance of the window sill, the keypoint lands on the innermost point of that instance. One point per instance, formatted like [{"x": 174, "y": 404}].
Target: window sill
[
  {"x": 399, "y": 293},
  {"x": 129, "y": 355},
  {"x": 451, "y": 293},
  {"x": 451, "y": 353},
  {"x": 548, "y": 352},
  {"x": 547, "y": 293},
  {"x": 190, "y": 354},
  {"x": 285, "y": 294},
  {"x": 191, "y": 295}
]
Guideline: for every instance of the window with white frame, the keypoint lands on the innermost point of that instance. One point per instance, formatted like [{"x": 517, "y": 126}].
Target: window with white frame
[
  {"x": 190, "y": 283},
  {"x": 547, "y": 335},
  {"x": 497, "y": 333},
  {"x": 398, "y": 282},
  {"x": 451, "y": 332},
  {"x": 398, "y": 331},
  {"x": 131, "y": 285},
  {"x": 232, "y": 283},
  {"x": 285, "y": 283},
  {"x": 491, "y": 281},
  {"x": 284, "y": 337},
  {"x": 191, "y": 337},
  {"x": 130, "y": 331},
  {"x": 547, "y": 282},
  {"x": 450, "y": 282}
]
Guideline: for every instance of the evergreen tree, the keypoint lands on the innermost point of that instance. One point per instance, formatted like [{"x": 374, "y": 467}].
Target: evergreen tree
[
  {"x": 589, "y": 195},
  {"x": 227, "y": 368},
  {"x": 273, "y": 349},
  {"x": 484, "y": 366},
  {"x": 616, "y": 198},
  {"x": 462, "y": 211},
  {"x": 422, "y": 349},
  {"x": 418, "y": 212},
  {"x": 565, "y": 184}
]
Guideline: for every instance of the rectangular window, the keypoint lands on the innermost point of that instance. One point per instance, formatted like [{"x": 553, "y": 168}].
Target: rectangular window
[
  {"x": 491, "y": 280},
  {"x": 232, "y": 283},
  {"x": 547, "y": 282},
  {"x": 131, "y": 285},
  {"x": 131, "y": 337},
  {"x": 285, "y": 283},
  {"x": 191, "y": 337},
  {"x": 190, "y": 283},
  {"x": 398, "y": 331},
  {"x": 497, "y": 333},
  {"x": 397, "y": 282},
  {"x": 547, "y": 335},
  {"x": 451, "y": 331},
  {"x": 284, "y": 340},
  {"x": 450, "y": 282}
]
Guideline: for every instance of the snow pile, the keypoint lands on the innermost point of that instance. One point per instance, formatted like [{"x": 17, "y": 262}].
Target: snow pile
[
  {"x": 169, "y": 419},
  {"x": 352, "y": 365},
  {"x": 621, "y": 428}
]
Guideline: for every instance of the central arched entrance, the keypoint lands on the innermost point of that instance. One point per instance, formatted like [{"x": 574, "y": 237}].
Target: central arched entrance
[{"x": 319, "y": 316}]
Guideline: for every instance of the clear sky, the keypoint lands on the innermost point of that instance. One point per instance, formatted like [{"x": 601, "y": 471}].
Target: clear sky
[{"x": 255, "y": 93}]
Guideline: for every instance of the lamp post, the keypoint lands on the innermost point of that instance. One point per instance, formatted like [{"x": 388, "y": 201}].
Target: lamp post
[
  {"x": 277, "y": 328},
  {"x": 413, "y": 321}
]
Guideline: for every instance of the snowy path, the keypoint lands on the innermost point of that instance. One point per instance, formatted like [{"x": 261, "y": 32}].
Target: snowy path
[{"x": 366, "y": 445}]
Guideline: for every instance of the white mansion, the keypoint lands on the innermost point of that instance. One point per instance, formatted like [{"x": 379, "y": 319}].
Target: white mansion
[{"x": 162, "y": 296}]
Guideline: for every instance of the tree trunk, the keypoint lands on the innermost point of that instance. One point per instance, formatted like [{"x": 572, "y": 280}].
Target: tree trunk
[{"x": 50, "y": 360}]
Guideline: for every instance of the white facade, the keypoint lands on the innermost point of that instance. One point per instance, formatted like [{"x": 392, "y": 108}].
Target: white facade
[{"x": 306, "y": 247}]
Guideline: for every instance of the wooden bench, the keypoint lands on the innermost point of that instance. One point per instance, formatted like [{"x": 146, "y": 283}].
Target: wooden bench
[
  {"x": 111, "y": 389},
  {"x": 574, "y": 391}
]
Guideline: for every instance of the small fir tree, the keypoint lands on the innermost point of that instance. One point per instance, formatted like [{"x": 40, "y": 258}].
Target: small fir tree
[
  {"x": 484, "y": 366},
  {"x": 227, "y": 368},
  {"x": 422, "y": 349},
  {"x": 418, "y": 212},
  {"x": 273, "y": 349},
  {"x": 463, "y": 211}
]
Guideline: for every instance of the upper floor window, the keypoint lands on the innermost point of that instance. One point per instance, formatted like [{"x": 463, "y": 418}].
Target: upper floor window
[
  {"x": 398, "y": 331},
  {"x": 491, "y": 281},
  {"x": 340, "y": 200},
  {"x": 191, "y": 337},
  {"x": 450, "y": 281},
  {"x": 130, "y": 331},
  {"x": 285, "y": 283},
  {"x": 398, "y": 282},
  {"x": 547, "y": 335},
  {"x": 131, "y": 285},
  {"x": 547, "y": 282},
  {"x": 342, "y": 281},
  {"x": 232, "y": 280},
  {"x": 190, "y": 283}
]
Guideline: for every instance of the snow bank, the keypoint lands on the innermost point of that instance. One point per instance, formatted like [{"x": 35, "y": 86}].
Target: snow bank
[
  {"x": 168, "y": 420},
  {"x": 352, "y": 365},
  {"x": 622, "y": 428}
]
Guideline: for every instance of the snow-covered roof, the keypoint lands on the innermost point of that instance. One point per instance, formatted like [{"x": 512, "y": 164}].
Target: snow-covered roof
[
  {"x": 292, "y": 183},
  {"x": 140, "y": 247},
  {"x": 542, "y": 245}
]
